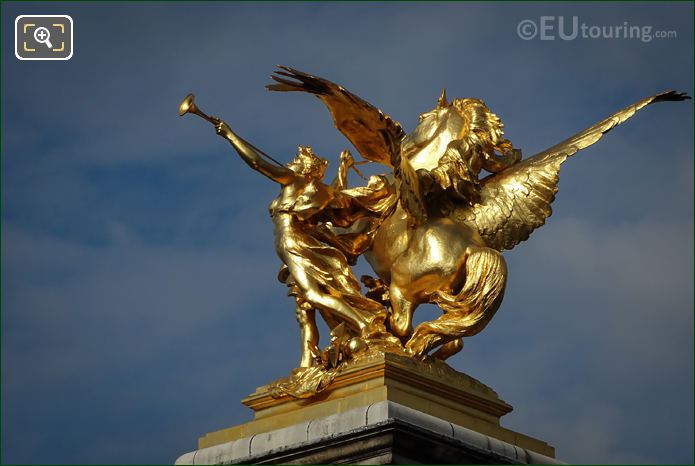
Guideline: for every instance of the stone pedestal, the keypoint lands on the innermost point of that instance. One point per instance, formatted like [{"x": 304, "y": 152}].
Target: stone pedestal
[{"x": 382, "y": 409}]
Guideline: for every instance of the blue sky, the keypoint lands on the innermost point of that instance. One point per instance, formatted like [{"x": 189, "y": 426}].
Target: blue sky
[{"x": 139, "y": 301}]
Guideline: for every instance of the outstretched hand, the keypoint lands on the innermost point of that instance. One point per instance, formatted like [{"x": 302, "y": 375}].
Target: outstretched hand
[
  {"x": 346, "y": 158},
  {"x": 222, "y": 128}
]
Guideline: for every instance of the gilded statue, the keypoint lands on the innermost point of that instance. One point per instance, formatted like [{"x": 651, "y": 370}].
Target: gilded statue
[{"x": 432, "y": 228}]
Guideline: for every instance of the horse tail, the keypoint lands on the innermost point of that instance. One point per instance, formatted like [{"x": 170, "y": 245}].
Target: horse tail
[{"x": 468, "y": 311}]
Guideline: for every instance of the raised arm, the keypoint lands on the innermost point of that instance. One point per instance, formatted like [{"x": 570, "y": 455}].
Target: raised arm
[
  {"x": 340, "y": 181},
  {"x": 253, "y": 158}
]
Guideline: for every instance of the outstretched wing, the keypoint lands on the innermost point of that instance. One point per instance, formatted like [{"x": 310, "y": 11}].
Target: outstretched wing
[
  {"x": 517, "y": 200},
  {"x": 374, "y": 134}
]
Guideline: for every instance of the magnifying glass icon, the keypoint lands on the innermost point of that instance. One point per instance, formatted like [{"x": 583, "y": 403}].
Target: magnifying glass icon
[{"x": 43, "y": 36}]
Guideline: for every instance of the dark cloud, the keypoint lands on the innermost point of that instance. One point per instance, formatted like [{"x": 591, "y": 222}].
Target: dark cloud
[{"x": 139, "y": 301}]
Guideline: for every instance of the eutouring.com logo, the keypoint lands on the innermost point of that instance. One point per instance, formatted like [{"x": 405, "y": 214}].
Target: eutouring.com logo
[{"x": 564, "y": 28}]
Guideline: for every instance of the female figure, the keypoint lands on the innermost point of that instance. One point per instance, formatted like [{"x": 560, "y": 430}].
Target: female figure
[{"x": 319, "y": 273}]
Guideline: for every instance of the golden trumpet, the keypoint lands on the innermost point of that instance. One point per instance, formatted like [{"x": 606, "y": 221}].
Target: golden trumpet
[{"x": 188, "y": 106}]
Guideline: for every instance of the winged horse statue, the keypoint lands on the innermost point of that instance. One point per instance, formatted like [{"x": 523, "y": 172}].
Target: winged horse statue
[{"x": 441, "y": 243}]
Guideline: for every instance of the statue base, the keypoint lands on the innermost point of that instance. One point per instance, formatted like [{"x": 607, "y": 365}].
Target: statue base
[{"x": 384, "y": 408}]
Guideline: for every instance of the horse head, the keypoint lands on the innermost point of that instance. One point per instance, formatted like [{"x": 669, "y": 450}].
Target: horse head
[{"x": 468, "y": 121}]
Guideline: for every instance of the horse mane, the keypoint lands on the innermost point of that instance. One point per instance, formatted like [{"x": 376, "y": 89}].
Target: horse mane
[{"x": 483, "y": 129}]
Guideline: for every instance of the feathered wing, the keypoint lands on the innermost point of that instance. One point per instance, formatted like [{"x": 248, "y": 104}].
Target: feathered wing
[
  {"x": 374, "y": 134},
  {"x": 517, "y": 200}
]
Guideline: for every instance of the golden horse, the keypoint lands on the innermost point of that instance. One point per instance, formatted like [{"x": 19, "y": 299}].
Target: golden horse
[{"x": 442, "y": 243}]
